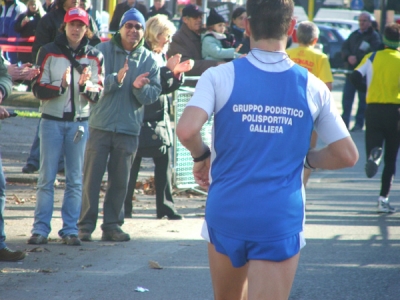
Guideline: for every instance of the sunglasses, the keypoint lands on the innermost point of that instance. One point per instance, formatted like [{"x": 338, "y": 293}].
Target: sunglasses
[{"x": 137, "y": 26}]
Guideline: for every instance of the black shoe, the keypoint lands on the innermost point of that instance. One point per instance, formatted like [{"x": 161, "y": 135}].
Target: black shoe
[
  {"x": 29, "y": 169},
  {"x": 7, "y": 254},
  {"x": 374, "y": 159},
  {"x": 115, "y": 235},
  {"x": 174, "y": 216}
]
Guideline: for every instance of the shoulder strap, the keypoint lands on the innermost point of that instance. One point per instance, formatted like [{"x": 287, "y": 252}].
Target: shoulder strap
[
  {"x": 208, "y": 34},
  {"x": 372, "y": 57},
  {"x": 73, "y": 61}
]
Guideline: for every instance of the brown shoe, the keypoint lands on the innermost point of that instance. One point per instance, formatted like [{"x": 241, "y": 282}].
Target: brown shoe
[
  {"x": 85, "y": 235},
  {"x": 71, "y": 240},
  {"x": 115, "y": 235},
  {"x": 7, "y": 254},
  {"x": 37, "y": 239}
]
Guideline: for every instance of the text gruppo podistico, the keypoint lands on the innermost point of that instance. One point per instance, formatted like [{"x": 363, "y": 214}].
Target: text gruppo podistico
[{"x": 267, "y": 119}]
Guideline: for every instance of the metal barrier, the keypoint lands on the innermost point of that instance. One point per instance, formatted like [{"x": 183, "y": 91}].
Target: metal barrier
[
  {"x": 183, "y": 161},
  {"x": 341, "y": 71},
  {"x": 11, "y": 44}
]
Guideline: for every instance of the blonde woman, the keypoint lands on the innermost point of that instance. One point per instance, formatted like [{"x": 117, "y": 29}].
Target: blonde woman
[
  {"x": 26, "y": 26},
  {"x": 155, "y": 136}
]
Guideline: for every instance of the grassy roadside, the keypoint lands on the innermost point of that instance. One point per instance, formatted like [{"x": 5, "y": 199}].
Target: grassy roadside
[{"x": 28, "y": 114}]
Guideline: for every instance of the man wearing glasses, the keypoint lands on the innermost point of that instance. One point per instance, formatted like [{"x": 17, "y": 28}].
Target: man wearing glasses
[
  {"x": 187, "y": 41},
  {"x": 359, "y": 43},
  {"x": 132, "y": 80}
]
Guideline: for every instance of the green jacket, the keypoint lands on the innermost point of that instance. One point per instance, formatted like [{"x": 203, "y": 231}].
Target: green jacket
[
  {"x": 5, "y": 80},
  {"x": 120, "y": 109}
]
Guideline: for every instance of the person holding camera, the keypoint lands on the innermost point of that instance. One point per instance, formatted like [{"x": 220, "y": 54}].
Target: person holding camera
[
  {"x": 46, "y": 32},
  {"x": 71, "y": 76}
]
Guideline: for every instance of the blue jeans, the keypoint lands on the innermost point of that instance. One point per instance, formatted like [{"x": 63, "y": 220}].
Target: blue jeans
[
  {"x": 2, "y": 205},
  {"x": 56, "y": 138},
  {"x": 34, "y": 154},
  {"x": 349, "y": 91}
]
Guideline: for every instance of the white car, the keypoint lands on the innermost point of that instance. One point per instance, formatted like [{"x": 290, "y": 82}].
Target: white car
[{"x": 351, "y": 25}]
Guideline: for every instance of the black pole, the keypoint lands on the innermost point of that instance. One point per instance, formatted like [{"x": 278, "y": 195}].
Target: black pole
[
  {"x": 383, "y": 16},
  {"x": 174, "y": 7}
]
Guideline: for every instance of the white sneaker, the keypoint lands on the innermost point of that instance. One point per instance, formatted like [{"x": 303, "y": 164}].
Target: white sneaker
[{"x": 384, "y": 206}]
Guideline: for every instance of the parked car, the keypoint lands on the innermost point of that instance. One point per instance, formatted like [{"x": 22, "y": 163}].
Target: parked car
[
  {"x": 337, "y": 23},
  {"x": 339, "y": 14},
  {"x": 330, "y": 41}
]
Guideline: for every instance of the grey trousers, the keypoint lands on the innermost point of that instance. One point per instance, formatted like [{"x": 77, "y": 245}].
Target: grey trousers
[{"x": 119, "y": 149}]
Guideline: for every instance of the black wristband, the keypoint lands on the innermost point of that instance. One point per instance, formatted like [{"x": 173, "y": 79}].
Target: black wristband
[
  {"x": 204, "y": 156},
  {"x": 307, "y": 165}
]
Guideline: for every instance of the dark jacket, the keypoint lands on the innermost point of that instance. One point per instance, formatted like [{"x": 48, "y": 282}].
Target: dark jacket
[
  {"x": 240, "y": 38},
  {"x": 49, "y": 8},
  {"x": 47, "y": 30},
  {"x": 26, "y": 31},
  {"x": 359, "y": 44},
  {"x": 156, "y": 129},
  {"x": 119, "y": 11},
  {"x": 188, "y": 43},
  {"x": 161, "y": 11}
]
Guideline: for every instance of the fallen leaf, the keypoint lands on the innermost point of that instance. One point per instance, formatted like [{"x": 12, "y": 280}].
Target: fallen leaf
[
  {"x": 86, "y": 266},
  {"x": 54, "y": 240},
  {"x": 38, "y": 249},
  {"x": 16, "y": 199},
  {"x": 110, "y": 244},
  {"x": 47, "y": 270},
  {"x": 154, "y": 265}
]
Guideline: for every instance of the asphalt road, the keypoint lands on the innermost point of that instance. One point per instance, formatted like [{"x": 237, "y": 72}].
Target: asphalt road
[{"x": 352, "y": 252}]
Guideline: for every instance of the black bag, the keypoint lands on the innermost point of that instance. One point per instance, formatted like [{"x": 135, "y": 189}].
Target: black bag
[{"x": 154, "y": 134}]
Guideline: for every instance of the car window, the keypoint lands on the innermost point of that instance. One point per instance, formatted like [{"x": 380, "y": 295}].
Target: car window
[
  {"x": 327, "y": 35},
  {"x": 333, "y": 24},
  {"x": 344, "y": 33}
]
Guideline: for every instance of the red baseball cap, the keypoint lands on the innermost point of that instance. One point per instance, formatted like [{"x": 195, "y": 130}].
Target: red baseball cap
[{"x": 76, "y": 14}]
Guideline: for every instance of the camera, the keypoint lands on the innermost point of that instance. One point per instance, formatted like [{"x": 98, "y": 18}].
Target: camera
[{"x": 79, "y": 134}]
